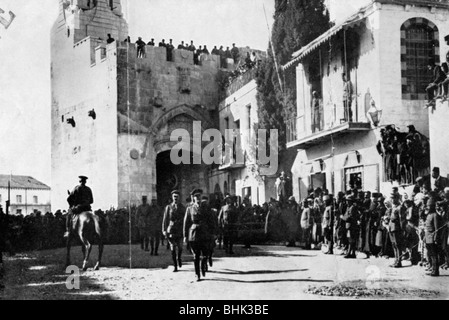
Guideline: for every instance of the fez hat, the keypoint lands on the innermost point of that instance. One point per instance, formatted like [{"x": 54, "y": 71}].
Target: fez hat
[
  {"x": 446, "y": 38},
  {"x": 436, "y": 170},
  {"x": 411, "y": 127},
  {"x": 145, "y": 197},
  {"x": 83, "y": 178},
  {"x": 175, "y": 192}
]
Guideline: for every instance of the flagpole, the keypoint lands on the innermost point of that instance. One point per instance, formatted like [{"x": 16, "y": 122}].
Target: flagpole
[{"x": 272, "y": 49}]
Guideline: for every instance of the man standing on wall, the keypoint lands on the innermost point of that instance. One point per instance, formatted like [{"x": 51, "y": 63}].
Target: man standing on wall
[{"x": 347, "y": 97}]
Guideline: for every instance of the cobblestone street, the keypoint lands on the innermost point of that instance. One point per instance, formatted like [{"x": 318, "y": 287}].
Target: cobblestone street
[{"x": 262, "y": 273}]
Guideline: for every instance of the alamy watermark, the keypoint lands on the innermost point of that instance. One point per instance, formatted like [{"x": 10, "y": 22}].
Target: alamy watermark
[
  {"x": 229, "y": 149},
  {"x": 73, "y": 280}
]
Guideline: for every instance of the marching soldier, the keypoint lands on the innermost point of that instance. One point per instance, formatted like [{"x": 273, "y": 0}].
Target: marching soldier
[
  {"x": 172, "y": 228},
  {"x": 227, "y": 221},
  {"x": 197, "y": 226}
]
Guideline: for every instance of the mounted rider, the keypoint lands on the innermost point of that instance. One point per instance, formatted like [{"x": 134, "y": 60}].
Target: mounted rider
[{"x": 80, "y": 200}]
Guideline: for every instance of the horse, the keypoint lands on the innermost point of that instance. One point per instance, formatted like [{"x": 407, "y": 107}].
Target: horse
[{"x": 87, "y": 229}]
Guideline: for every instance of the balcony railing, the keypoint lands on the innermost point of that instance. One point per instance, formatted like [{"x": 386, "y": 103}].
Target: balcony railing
[
  {"x": 307, "y": 130},
  {"x": 292, "y": 133}
]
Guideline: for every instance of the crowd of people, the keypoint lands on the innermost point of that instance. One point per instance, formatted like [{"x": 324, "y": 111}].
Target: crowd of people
[
  {"x": 439, "y": 87},
  {"x": 230, "y": 53},
  {"x": 413, "y": 228},
  {"x": 407, "y": 227}
]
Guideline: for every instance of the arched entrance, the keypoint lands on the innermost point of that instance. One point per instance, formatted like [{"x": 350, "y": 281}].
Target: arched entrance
[{"x": 183, "y": 177}]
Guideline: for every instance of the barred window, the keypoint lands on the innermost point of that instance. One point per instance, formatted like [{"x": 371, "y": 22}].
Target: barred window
[{"x": 419, "y": 44}]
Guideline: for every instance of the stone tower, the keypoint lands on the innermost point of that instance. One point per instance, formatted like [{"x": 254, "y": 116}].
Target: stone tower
[{"x": 113, "y": 113}]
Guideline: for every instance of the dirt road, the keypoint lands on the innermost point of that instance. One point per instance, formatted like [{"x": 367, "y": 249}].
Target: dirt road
[{"x": 262, "y": 273}]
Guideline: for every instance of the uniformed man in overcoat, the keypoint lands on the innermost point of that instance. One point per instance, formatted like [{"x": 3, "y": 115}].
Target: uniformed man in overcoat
[
  {"x": 227, "y": 221},
  {"x": 395, "y": 229},
  {"x": 172, "y": 228},
  {"x": 81, "y": 199},
  {"x": 198, "y": 222}
]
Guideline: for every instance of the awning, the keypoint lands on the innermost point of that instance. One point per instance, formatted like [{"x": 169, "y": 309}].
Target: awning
[{"x": 351, "y": 22}]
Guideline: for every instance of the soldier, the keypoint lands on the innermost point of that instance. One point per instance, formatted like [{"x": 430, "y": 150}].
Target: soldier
[
  {"x": 246, "y": 221},
  {"x": 197, "y": 225},
  {"x": 227, "y": 220},
  {"x": 154, "y": 222},
  {"x": 162, "y": 44},
  {"x": 143, "y": 213},
  {"x": 3, "y": 229},
  {"x": 181, "y": 46},
  {"x": 328, "y": 222},
  {"x": 205, "y": 51},
  {"x": 81, "y": 199},
  {"x": 151, "y": 43},
  {"x": 395, "y": 229},
  {"x": 172, "y": 228},
  {"x": 351, "y": 217}
]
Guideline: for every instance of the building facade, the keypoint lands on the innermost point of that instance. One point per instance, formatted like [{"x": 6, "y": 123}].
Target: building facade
[
  {"x": 26, "y": 195},
  {"x": 113, "y": 112},
  {"x": 384, "y": 48},
  {"x": 239, "y": 112}
]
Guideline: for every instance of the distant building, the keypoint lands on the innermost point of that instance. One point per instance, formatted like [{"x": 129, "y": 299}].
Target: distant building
[
  {"x": 26, "y": 193},
  {"x": 384, "y": 48}
]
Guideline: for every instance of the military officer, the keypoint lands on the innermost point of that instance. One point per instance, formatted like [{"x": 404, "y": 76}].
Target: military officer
[
  {"x": 172, "y": 228},
  {"x": 227, "y": 221},
  {"x": 395, "y": 229},
  {"x": 197, "y": 225},
  {"x": 81, "y": 199}
]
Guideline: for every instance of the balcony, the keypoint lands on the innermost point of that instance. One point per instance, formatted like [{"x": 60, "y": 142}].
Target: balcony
[{"x": 303, "y": 132}]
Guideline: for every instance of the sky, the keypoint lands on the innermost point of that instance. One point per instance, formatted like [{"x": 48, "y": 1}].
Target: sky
[{"x": 25, "y": 89}]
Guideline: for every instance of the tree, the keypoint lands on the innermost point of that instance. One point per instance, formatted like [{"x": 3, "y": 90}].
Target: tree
[{"x": 296, "y": 23}]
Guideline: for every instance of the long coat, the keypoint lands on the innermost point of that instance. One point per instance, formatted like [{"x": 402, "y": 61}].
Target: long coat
[
  {"x": 198, "y": 223},
  {"x": 172, "y": 223}
]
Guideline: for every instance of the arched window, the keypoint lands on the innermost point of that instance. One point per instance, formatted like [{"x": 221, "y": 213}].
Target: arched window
[{"x": 419, "y": 43}]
